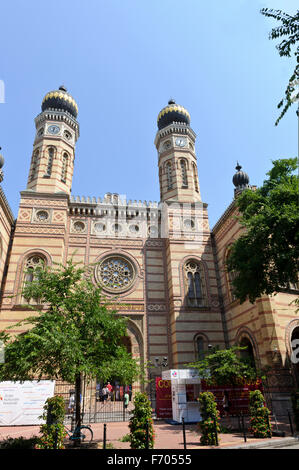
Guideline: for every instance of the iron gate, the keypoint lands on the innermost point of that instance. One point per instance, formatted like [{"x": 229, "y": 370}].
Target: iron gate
[{"x": 94, "y": 408}]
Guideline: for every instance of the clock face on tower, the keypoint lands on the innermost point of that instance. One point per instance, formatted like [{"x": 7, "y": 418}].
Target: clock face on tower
[
  {"x": 53, "y": 129},
  {"x": 181, "y": 142}
]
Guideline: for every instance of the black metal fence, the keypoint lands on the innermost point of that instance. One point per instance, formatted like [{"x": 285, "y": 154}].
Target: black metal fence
[
  {"x": 281, "y": 425},
  {"x": 95, "y": 409}
]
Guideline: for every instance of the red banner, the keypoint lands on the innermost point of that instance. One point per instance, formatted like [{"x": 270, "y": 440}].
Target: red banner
[
  {"x": 163, "y": 398},
  {"x": 238, "y": 396}
]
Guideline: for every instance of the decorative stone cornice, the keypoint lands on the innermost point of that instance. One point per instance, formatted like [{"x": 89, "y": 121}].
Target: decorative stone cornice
[
  {"x": 175, "y": 127},
  {"x": 6, "y": 207},
  {"x": 226, "y": 214},
  {"x": 57, "y": 115}
]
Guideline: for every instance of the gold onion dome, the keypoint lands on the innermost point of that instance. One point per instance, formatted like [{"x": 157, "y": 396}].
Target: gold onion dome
[
  {"x": 172, "y": 113},
  {"x": 60, "y": 99}
]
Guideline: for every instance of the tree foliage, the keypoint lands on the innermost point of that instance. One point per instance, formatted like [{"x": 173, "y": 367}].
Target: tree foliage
[
  {"x": 226, "y": 366},
  {"x": 289, "y": 31},
  {"x": 72, "y": 333},
  {"x": 265, "y": 258}
]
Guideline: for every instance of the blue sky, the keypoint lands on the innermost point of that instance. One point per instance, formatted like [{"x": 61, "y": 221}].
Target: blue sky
[{"x": 122, "y": 60}]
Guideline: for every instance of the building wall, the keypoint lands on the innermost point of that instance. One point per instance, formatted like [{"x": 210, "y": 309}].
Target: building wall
[
  {"x": 6, "y": 224},
  {"x": 268, "y": 323}
]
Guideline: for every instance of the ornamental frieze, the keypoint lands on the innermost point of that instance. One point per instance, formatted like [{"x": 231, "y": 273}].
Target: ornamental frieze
[
  {"x": 41, "y": 202},
  {"x": 78, "y": 240},
  {"x": 118, "y": 242},
  {"x": 39, "y": 230},
  {"x": 25, "y": 215},
  {"x": 126, "y": 307}
]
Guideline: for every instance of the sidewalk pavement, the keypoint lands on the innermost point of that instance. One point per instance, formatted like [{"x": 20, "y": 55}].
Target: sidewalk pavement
[{"x": 168, "y": 436}]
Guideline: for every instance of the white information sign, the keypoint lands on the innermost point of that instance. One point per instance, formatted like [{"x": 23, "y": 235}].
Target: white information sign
[{"x": 22, "y": 403}]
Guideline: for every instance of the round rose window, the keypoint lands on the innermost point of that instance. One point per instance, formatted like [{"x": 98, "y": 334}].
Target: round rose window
[{"x": 115, "y": 273}]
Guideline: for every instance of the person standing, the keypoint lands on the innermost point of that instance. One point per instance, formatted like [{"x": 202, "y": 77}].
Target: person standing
[
  {"x": 126, "y": 399},
  {"x": 105, "y": 392},
  {"x": 117, "y": 392},
  {"x": 110, "y": 388}
]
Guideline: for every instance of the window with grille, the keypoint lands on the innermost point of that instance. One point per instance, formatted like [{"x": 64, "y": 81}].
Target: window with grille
[
  {"x": 50, "y": 161},
  {"x": 64, "y": 167},
  {"x": 169, "y": 175},
  {"x": 194, "y": 282},
  {"x": 34, "y": 165},
  {"x": 184, "y": 173},
  {"x": 195, "y": 178}
]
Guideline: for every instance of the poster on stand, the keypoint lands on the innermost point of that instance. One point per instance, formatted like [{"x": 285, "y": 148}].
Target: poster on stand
[
  {"x": 163, "y": 398},
  {"x": 21, "y": 403}
]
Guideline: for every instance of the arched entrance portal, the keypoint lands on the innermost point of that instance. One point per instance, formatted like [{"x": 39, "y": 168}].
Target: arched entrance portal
[
  {"x": 247, "y": 353},
  {"x": 112, "y": 408}
]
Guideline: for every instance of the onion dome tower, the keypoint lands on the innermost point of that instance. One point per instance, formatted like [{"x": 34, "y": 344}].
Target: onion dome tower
[
  {"x": 1, "y": 166},
  {"x": 240, "y": 180},
  {"x": 57, "y": 131},
  {"x": 172, "y": 113},
  {"x": 60, "y": 100},
  {"x": 175, "y": 143}
]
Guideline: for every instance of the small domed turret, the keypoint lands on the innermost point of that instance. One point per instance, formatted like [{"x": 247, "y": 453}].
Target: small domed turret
[
  {"x": 240, "y": 179},
  {"x": 172, "y": 113},
  {"x": 1, "y": 165},
  {"x": 61, "y": 100},
  {"x": 1, "y": 160}
]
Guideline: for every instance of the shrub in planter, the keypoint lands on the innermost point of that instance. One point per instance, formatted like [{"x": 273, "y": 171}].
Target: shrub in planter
[
  {"x": 210, "y": 417},
  {"x": 295, "y": 405},
  {"x": 260, "y": 424},
  {"x": 53, "y": 432},
  {"x": 19, "y": 443},
  {"x": 142, "y": 414}
]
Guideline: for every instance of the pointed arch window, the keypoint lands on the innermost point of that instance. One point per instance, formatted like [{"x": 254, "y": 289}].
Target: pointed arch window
[
  {"x": 32, "y": 266},
  {"x": 51, "y": 151},
  {"x": 195, "y": 179},
  {"x": 194, "y": 282},
  {"x": 64, "y": 167},
  {"x": 169, "y": 175},
  {"x": 184, "y": 173},
  {"x": 200, "y": 346},
  {"x": 160, "y": 180}
]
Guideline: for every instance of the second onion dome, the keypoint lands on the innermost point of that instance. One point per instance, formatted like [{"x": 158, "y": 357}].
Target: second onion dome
[
  {"x": 240, "y": 178},
  {"x": 172, "y": 113}
]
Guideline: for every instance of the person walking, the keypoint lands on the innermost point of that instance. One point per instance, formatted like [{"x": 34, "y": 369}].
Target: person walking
[{"x": 226, "y": 404}]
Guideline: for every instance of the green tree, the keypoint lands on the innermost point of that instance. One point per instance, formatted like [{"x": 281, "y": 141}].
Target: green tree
[
  {"x": 141, "y": 422},
  {"x": 289, "y": 31},
  {"x": 265, "y": 257},
  {"x": 260, "y": 424},
  {"x": 210, "y": 419},
  {"x": 226, "y": 366},
  {"x": 73, "y": 334}
]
